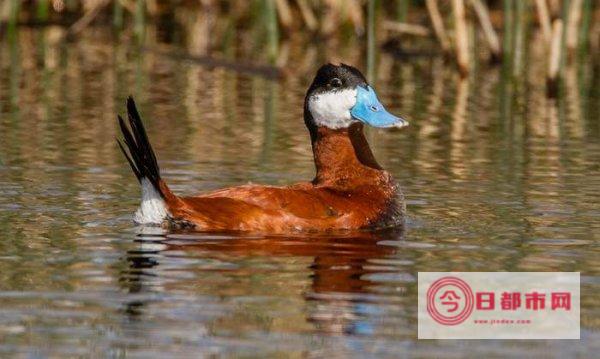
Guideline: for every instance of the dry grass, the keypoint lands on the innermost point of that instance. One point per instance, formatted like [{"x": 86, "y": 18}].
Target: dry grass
[{"x": 464, "y": 31}]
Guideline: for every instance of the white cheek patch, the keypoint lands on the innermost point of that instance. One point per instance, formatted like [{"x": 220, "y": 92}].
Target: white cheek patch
[{"x": 332, "y": 109}]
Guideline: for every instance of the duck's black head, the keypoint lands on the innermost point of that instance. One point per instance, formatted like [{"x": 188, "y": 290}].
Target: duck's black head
[{"x": 340, "y": 96}]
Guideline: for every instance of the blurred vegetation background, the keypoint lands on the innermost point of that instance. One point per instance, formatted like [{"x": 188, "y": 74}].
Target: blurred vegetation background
[{"x": 465, "y": 32}]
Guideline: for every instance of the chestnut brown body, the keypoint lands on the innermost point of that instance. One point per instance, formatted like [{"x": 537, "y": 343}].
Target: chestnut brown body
[{"x": 350, "y": 191}]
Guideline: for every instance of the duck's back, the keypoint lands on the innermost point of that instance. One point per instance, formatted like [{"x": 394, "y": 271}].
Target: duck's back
[{"x": 301, "y": 207}]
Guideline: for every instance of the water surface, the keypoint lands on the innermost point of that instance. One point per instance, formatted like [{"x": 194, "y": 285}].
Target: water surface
[{"x": 497, "y": 178}]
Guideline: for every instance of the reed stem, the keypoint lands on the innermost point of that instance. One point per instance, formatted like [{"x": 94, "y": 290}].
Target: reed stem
[
  {"x": 41, "y": 11},
  {"x": 285, "y": 13},
  {"x": 584, "y": 30},
  {"x": 555, "y": 58},
  {"x": 404, "y": 28},
  {"x": 520, "y": 34},
  {"x": 488, "y": 30},
  {"x": 307, "y": 15},
  {"x": 272, "y": 29},
  {"x": 508, "y": 37},
  {"x": 438, "y": 25},
  {"x": 402, "y": 10},
  {"x": 117, "y": 14},
  {"x": 13, "y": 17},
  {"x": 573, "y": 22},
  {"x": 462, "y": 40},
  {"x": 139, "y": 20},
  {"x": 371, "y": 40},
  {"x": 544, "y": 19}
]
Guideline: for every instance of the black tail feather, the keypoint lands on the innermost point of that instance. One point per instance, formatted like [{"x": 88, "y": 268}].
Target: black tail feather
[
  {"x": 137, "y": 173},
  {"x": 141, "y": 156}
]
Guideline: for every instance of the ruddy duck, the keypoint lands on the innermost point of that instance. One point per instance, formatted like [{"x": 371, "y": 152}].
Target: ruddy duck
[{"x": 350, "y": 190}]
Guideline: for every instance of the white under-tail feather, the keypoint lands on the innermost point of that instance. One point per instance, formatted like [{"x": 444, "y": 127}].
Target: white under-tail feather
[{"x": 153, "y": 209}]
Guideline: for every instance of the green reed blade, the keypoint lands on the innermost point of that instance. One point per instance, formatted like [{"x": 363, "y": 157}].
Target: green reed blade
[
  {"x": 42, "y": 10},
  {"x": 584, "y": 30},
  {"x": 140, "y": 20},
  {"x": 270, "y": 16},
  {"x": 117, "y": 14},
  {"x": 13, "y": 16},
  {"x": 507, "y": 38},
  {"x": 402, "y": 10}
]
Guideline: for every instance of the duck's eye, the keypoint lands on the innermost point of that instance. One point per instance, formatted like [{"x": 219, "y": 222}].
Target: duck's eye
[{"x": 335, "y": 82}]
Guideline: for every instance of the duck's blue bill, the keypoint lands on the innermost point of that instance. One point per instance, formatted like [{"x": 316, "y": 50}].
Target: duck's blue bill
[{"x": 369, "y": 110}]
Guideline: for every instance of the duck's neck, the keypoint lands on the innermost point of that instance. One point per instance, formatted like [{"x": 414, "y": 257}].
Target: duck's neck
[{"x": 343, "y": 155}]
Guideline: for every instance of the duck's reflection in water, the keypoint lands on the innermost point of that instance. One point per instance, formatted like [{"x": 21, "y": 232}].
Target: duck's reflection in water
[{"x": 339, "y": 269}]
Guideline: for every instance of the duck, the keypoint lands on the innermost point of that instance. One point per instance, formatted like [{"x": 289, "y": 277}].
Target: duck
[{"x": 350, "y": 190}]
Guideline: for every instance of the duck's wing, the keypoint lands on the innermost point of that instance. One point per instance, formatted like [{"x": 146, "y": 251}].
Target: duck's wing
[{"x": 262, "y": 207}]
